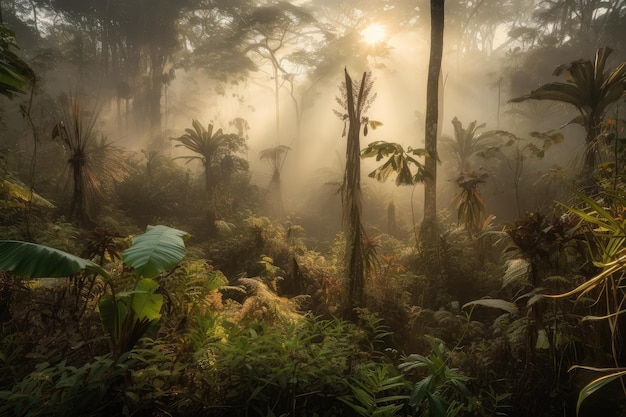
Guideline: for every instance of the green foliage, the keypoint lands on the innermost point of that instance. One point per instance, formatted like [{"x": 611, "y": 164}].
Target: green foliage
[
  {"x": 606, "y": 237},
  {"x": 377, "y": 391},
  {"x": 376, "y": 330},
  {"x": 63, "y": 389},
  {"x": 597, "y": 383},
  {"x": 15, "y": 74},
  {"x": 298, "y": 368},
  {"x": 159, "y": 249},
  {"x": 507, "y": 306},
  {"x": 467, "y": 144},
  {"x": 30, "y": 260},
  {"x": 212, "y": 148},
  {"x": 127, "y": 315},
  {"x": 591, "y": 88},
  {"x": 399, "y": 162},
  {"x": 471, "y": 208},
  {"x": 443, "y": 391}
]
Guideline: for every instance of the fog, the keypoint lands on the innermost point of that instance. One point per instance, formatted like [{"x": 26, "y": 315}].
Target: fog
[{"x": 218, "y": 67}]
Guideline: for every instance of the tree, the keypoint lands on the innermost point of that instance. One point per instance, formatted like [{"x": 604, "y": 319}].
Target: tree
[
  {"x": 209, "y": 148},
  {"x": 356, "y": 100},
  {"x": 466, "y": 144},
  {"x": 276, "y": 34},
  {"x": 91, "y": 161},
  {"x": 215, "y": 151},
  {"x": 432, "y": 118},
  {"x": 276, "y": 158},
  {"x": 399, "y": 162},
  {"x": 114, "y": 42},
  {"x": 470, "y": 206},
  {"x": 592, "y": 90}
]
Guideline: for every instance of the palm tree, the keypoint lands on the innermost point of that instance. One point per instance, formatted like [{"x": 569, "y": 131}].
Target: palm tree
[
  {"x": 591, "y": 89},
  {"x": 276, "y": 158},
  {"x": 463, "y": 148},
  {"x": 92, "y": 161},
  {"x": 210, "y": 148},
  {"x": 466, "y": 144},
  {"x": 470, "y": 206}
]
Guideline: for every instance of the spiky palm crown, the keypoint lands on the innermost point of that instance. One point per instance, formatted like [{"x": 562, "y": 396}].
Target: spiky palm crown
[{"x": 93, "y": 161}]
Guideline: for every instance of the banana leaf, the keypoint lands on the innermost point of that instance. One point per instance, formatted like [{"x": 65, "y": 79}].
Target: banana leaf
[
  {"x": 160, "y": 249},
  {"x": 30, "y": 260}
]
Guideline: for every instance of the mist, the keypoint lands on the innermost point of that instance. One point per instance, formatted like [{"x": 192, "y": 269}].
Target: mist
[
  {"x": 312, "y": 207},
  {"x": 487, "y": 60}
]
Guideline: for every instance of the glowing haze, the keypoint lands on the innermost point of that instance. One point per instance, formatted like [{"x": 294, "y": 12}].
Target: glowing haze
[{"x": 484, "y": 65}]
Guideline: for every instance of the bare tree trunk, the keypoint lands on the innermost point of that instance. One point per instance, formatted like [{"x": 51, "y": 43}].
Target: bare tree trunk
[
  {"x": 432, "y": 110},
  {"x": 277, "y": 104},
  {"x": 355, "y": 256},
  {"x": 429, "y": 232}
]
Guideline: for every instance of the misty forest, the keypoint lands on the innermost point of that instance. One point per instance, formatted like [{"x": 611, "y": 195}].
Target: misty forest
[{"x": 313, "y": 208}]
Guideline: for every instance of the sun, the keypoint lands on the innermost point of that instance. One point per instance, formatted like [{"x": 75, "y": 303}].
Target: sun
[{"x": 374, "y": 33}]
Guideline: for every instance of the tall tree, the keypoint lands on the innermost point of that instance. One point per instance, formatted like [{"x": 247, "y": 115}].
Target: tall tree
[
  {"x": 432, "y": 117},
  {"x": 276, "y": 34},
  {"x": 113, "y": 42},
  {"x": 356, "y": 101}
]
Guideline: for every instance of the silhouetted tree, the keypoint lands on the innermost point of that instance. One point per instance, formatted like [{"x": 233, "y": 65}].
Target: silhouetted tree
[
  {"x": 208, "y": 146},
  {"x": 274, "y": 34},
  {"x": 92, "y": 161},
  {"x": 276, "y": 158}
]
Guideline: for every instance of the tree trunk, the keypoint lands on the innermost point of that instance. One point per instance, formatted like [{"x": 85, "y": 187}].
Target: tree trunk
[
  {"x": 429, "y": 232},
  {"x": 355, "y": 256},
  {"x": 277, "y": 104},
  {"x": 432, "y": 111},
  {"x": 593, "y": 130},
  {"x": 78, "y": 209}
]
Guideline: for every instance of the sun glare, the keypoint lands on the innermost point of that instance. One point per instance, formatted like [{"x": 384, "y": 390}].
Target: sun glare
[{"x": 374, "y": 33}]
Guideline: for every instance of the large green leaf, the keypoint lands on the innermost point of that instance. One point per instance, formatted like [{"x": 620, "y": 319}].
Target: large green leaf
[
  {"x": 31, "y": 260},
  {"x": 494, "y": 303},
  {"x": 159, "y": 249},
  {"x": 144, "y": 302},
  {"x": 127, "y": 315}
]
